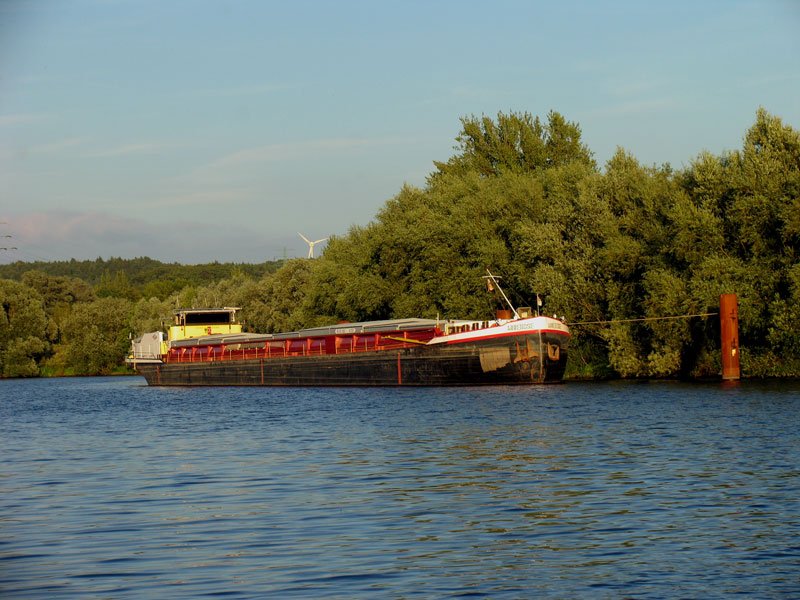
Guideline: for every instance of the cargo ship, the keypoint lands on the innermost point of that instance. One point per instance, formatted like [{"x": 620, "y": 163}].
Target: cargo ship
[{"x": 207, "y": 347}]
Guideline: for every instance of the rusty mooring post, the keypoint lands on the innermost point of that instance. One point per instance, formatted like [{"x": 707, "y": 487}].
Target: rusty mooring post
[{"x": 729, "y": 331}]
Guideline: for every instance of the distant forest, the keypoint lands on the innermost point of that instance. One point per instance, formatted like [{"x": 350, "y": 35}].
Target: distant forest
[
  {"x": 138, "y": 277},
  {"x": 522, "y": 196}
]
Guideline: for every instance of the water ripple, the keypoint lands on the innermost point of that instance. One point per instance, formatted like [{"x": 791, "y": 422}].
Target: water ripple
[{"x": 109, "y": 488}]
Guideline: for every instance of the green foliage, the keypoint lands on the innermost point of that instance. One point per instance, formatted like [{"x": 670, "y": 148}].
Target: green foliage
[
  {"x": 523, "y": 197},
  {"x": 279, "y": 302},
  {"x": 21, "y": 357},
  {"x": 516, "y": 142},
  {"x": 96, "y": 337},
  {"x": 115, "y": 286},
  {"x": 665, "y": 294},
  {"x": 58, "y": 290},
  {"x": 22, "y": 329},
  {"x": 22, "y": 311},
  {"x": 138, "y": 277},
  {"x": 150, "y": 315}
]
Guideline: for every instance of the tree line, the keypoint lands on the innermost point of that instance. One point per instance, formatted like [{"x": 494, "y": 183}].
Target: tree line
[{"x": 522, "y": 196}]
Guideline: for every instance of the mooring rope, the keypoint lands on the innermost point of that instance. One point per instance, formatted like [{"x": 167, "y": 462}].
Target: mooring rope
[{"x": 712, "y": 314}]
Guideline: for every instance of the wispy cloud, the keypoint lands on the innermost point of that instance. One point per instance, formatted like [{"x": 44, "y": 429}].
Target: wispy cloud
[
  {"x": 21, "y": 119},
  {"x": 477, "y": 92},
  {"x": 241, "y": 166},
  {"x": 130, "y": 149},
  {"x": 466, "y": 93},
  {"x": 634, "y": 107},
  {"x": 206, "y": 197},
  {"x": 57, "y": 234},
  {"x": 244, "y": 90},
  {"x": 91, "y": 150},
  {"x": 636, "y": 87},
  {"x": 768, "y": 80},
  {"x": 60, "y": 235},
  {"x": 59, "y": 145},
  {"x": 301, "y": 150}
]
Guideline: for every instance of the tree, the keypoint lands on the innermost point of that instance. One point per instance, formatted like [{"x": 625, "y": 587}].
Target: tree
[
  {"x": 21, "y": 357},
  {"x": 116, "y": 286},
  {"x": 515, "y": 142},
  {"x": 278, "y": 303},
  {"x": 523, "y": 197},
  {"x": 736, "y": 231},
  {"x": 59, "y": 294},
  {"x": 22, "y": 329},
  {"x": 150, "y": 315},
  {"x": 96, "y": 337}
]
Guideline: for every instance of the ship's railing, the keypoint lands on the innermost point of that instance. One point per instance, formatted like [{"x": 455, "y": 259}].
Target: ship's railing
[
  {"x": 350, "y": 344},
  {"x": 464, "y": 326}
]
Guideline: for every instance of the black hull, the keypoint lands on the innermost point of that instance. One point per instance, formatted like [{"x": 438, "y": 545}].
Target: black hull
[{"x": 522, "y": 359}]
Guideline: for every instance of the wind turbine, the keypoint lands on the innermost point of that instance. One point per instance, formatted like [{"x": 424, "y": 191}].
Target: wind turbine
[{"x": 311, "y": 244}]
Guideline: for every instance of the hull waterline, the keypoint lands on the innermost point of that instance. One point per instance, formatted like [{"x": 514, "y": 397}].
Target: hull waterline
[{"x": 537, "y": 357}]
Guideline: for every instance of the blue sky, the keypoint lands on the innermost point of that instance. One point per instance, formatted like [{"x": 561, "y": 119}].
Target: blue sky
[{"x": 195, "y": 130}]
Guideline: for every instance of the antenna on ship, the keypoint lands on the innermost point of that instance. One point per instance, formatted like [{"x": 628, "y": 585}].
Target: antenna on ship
[
  {"x": 311, "y": 244},
  {"x": 492, "y": 283}
]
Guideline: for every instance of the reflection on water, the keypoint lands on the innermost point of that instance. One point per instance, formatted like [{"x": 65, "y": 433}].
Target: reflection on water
[{"x": 110, "y": 488}]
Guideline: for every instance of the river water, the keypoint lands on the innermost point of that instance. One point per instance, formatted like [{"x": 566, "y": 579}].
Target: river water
[{"x": 111, "y": 489}]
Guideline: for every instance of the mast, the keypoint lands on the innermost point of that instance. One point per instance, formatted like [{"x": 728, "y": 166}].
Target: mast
[{"x": 491, "y": 279}]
